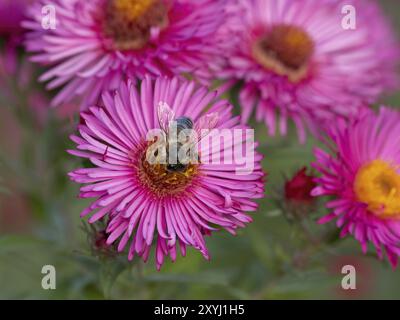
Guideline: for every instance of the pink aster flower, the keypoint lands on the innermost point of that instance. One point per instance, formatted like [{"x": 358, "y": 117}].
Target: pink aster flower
[
  {"x": 363, "y": 177},
  {"x": 145, "y": 201},
  {"x": 96, "y": 44},
  {"x": 297, "y": 61}
]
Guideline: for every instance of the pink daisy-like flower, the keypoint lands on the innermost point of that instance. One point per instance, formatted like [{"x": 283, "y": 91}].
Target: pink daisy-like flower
[
  {"x": 97, "y": 44},
  {"x": 149, "y": 200},
  {"x": 364, "y": 178},
  {"x": 297, "y": 60}
]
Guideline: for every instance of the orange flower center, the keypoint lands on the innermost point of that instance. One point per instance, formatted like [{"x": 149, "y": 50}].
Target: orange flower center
[
  {"x": 378, "y": 185},
  {"x": 129, "y": 22},
  {"x": 285, "y": 50}
]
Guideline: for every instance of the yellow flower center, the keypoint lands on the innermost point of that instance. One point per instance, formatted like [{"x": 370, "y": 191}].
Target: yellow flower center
[
  {"x": 285, "y": 50},
  {"x": 378, "y": 185},
  {"x": 129, "y": 22}
]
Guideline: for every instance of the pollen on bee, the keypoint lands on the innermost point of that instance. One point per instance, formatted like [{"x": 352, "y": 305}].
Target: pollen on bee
[{"x": 157, "y": 179}]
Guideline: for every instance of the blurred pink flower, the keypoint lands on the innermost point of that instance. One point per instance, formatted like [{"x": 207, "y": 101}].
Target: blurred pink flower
[
  {"x": 19, "y": 88},
  {"x": 12, "y": 12},
  {"x": 298, "y": 62},
  {"x": 363, "y": 177},
  {"x": 18, "y": 84},
  {"x": 99, "y": 43},
  {"x": 144, "y": 201}
]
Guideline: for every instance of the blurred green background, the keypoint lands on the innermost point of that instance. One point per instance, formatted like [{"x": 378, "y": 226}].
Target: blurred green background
[{"x": 274, "y": 257}]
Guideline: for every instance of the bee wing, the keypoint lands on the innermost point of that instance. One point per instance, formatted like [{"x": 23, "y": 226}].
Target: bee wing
[
  {"x": 205, "y": 124},
  {"x": 165, "y": 116}
]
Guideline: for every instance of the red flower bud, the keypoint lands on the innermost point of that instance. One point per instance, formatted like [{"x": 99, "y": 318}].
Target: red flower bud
[{"x": 298, "y": 189}]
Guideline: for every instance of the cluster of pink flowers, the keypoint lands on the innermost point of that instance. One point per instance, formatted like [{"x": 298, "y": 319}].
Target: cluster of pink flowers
[{"x": 292, "y": 60}]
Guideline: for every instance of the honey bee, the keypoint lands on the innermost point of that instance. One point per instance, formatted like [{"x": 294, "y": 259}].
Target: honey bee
[{"x": 185, "y": 126}]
